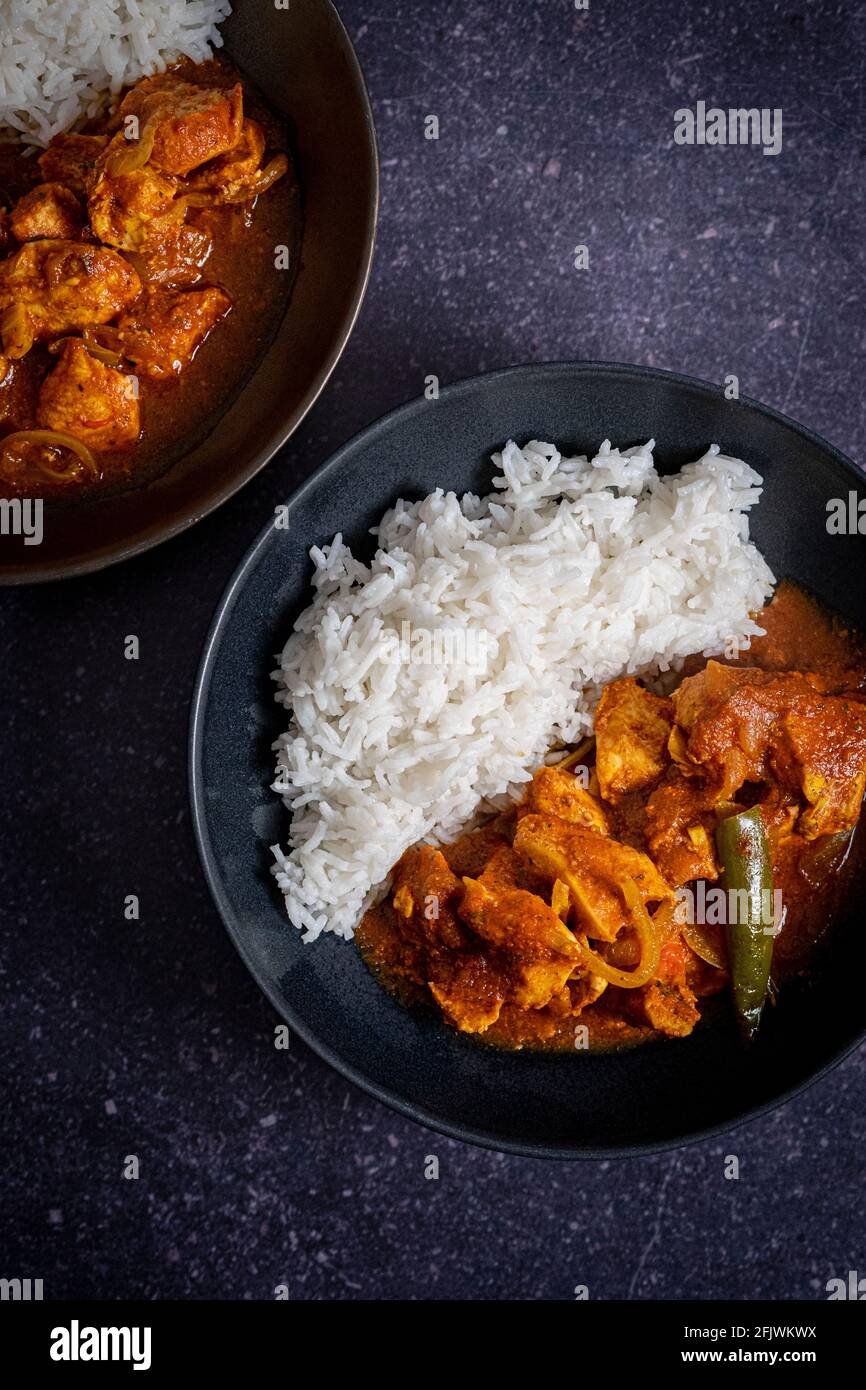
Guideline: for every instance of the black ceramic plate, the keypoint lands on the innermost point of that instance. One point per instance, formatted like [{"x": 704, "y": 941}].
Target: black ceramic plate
[
  {"x": 302, "y": 61},
  {"x": 567, "y": 1105}
]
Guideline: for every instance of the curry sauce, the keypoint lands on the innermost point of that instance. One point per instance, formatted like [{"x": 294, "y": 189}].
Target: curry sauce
[
  {"x": 211, "y": 265},
  {"x": 501, "y": 961}
]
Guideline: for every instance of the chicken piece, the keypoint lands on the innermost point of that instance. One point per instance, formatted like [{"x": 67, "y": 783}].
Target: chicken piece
[
  {"x": 191, "y": 124},
  {"x": 162, "y": 332},
  {"x": 536, "y": 949},
  {"x": 723, "y": 725},
  {"x": 555, "y": 793},
  {"x": 593, "y": 867},
  {"x": 471, "y": 851},
  {"x": 680, "y": 825},
  {"x": 425, "y": 894},
  {"x": 133, "y": 209},
  {"x": 226, "y": 176},
  {"x": 747, "y": 725},
  {"x": 178, "y": 261},
  {"x": 580, "y": 990},
  {"x": 52, "y": 286},
  {"x": 467, "y": 986},
  {"x": 472, "y": 996},
  {"x": 668, "y": 1002},
  {"x": 70, "y": 159},
  {"x": 48, "y": 210},
  {"x": 5, "y": 232},
  {"x": 504, "y": 869},
  {"x": 93, "y": 402},
  {"x": 584, "y": 990},
  {"x": 632, "y": 727},
  {"x": 828, "y": 747},
  {"x": 508, "y": 868}
]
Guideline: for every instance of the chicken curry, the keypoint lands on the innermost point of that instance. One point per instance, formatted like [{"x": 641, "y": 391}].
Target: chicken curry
[
  {"x": 697, "y": 846},
  {"x": 143, "y": 274}
]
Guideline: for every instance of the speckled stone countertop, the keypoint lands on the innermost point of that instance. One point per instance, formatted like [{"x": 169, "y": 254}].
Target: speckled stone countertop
[{"x": 149, "y": 1038}]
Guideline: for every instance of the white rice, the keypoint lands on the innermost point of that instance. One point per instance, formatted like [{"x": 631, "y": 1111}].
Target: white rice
[
  {"x": 59, "y": 59},
  {"x": 575, "y": 572}
]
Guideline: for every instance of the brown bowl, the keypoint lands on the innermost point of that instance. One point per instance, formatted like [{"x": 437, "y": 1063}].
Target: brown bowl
[{"x": 302, "y": 61}]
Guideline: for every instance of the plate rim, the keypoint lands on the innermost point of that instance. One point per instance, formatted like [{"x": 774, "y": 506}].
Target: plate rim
[
  {"x": 122, "y": 551},
  {"x": 480, "y": 1138}
]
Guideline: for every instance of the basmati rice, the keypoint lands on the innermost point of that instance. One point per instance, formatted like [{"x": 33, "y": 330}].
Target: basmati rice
[
  {"x": 571, "y": 573},
  {"x": 60, "y": 59}
]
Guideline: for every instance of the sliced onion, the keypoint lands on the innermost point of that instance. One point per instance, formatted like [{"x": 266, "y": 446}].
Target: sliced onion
[
  {"x": 16, "y": 331},
  {"x": 136, "y": 154},
  {"x": 55, "y": 439},
  {"x": 93, "y": 336},
  {"x": 580, "y": 752},
  {"x": 555, "y": 866},
  {"x": 267, "y": 177},
  {"x": 102, "y": 354},
  {"x": 560, "y": 899},
  {"x": 698, "y": 937},
  {"x": 703, "y": 945},
  {"x": 648, "y": 938},
  {"x": 829, "y": 853}
]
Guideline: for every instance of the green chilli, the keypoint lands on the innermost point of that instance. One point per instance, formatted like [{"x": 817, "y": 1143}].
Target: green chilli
[{"x": 748, "y": 877}]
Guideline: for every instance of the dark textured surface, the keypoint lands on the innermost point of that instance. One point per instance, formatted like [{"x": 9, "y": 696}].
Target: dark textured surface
[{"x": 260, "y": 1167}]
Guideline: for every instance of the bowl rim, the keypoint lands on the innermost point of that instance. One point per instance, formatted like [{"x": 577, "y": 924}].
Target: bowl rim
[
  {"x": 125, "y": 550},
  {"x": 481, "y": 1138}
]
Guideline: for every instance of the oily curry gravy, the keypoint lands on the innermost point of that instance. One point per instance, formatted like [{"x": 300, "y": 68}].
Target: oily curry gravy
[
  {"x": 467, "y": 964},
  {"x": 204, "y": 246}
]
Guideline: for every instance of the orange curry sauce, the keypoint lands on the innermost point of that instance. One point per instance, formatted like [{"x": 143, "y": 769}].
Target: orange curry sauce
[
  {"x": 230, "y": 249},
  {"x": 813, "y": 876}
]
